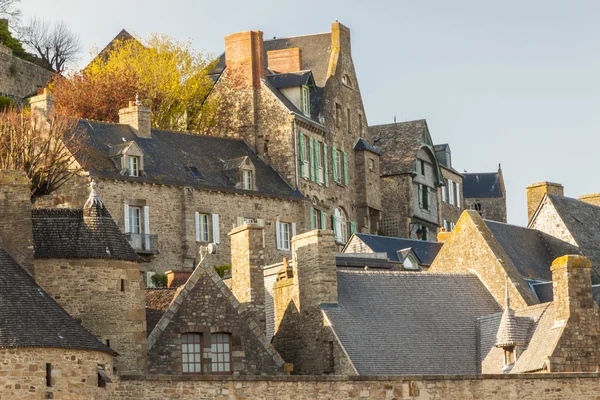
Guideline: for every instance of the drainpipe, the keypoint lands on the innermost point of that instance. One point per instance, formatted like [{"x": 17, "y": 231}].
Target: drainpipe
[{"x": 295, "y": 152}]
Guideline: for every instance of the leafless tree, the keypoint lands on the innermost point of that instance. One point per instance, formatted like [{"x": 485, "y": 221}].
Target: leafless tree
[
  {"x": 55, "y": 44},
  {"x": 46, "y": 153},
  {"x": 9, "y": 10}
]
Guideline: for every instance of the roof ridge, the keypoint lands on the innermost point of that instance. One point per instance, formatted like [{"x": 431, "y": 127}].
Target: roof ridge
[
  {"x": 354, "y": 271},
  {"x": 398, "y": 123},
  {"x": 297, "y": 36}
]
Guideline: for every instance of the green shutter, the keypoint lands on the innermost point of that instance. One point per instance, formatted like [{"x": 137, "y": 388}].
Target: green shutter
[
  {"x": 311, "y": 155},
  {"x": 420, "y": 195},
  {"x": 302, "y": 155},
  {"x": 345, "y": 155},
  {"x": 323, "y": 221},
  {"x": 312, "y": 219},
  {"x": 352, "y": 227},
  {"x": 334, "y": 157},
  {"x": 325, "y": 165}
]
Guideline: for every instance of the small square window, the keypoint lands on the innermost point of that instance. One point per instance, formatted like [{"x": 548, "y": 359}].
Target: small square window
[{"x": 371, "y": 164}]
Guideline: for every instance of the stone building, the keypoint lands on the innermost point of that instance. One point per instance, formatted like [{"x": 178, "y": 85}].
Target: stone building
[
  {"x": 172, "y": 192},
  {"x": 298, "y": 105},
  {"x": 485, "y": 193},
  {"x": 450, "y": 195}
]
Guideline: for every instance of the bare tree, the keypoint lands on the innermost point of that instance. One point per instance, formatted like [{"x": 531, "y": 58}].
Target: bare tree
[
  {"x": 9, "y": 10},
  {"x": 46, "y": 153},
  {"x": 55, "y": 44}
]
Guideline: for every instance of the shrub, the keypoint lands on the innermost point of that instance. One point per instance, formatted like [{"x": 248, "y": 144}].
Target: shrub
[
  {"x": 222, "y": 269},
  {"x": 159, "y": 280}
]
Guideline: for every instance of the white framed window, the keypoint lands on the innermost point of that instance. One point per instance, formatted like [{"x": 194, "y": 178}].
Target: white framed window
[
  {"x": 340, "y": 226},
  {"x": 305, "y": 100},
  {"x": 220, "y": 349},
  {"x": 443, "y": 190},
  {"x": 457, "y": 194},
  {"x": 135, "y": 219},
  {"x": 319, "y": 162},
  {"x": 202, "y": 227},
  {"x": 134, "y": 165},
  {"x": 284, "y": 231},
  {"x": 191, "y": 353},
  {"x": 247, "y": 178},
  {"x": 451, "y": 191}
]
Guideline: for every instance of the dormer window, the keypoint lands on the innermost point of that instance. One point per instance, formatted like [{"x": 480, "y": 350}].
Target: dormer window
[
  {"x": 194, "y": 171},
  {"x": 134, "y": 165},
  {"x": 305, "y": 100},
  {"x": 247, "y": 180},
  {"x": 509, "y": 356}
]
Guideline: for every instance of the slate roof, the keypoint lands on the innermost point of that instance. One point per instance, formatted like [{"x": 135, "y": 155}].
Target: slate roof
[
  {"x": 441, "y": 152},
  {"x": 157, "y": 302},
  {"x": 362, "y": 144},
  {"x": 424, "y": 250},
  {"x": 400, "y": 143},
  {"x": 31, "y": 318},
  {"x": 545, "y": 293},
  {"x": 290, "y": 79},
  {"x": 409, "y": 323},
  {"x": 483, "y": 185},
  {"x": 344, "y": 260},
  {"x": 513, "y": 330},
  {"x": 167, "y": 156},
  {"x": 583, "y": 222},
  {"x": 541, "y": 340},
  {"x": 531, "y": 251},
  {"x": 65, "y": 233}
]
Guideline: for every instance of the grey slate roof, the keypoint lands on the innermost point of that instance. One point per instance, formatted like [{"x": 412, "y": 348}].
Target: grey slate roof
[
  {"x": 343, "y": 260},
  {"x": 400, "y": 143},
  {"x": 167, "y": 156},
  {"x": 531, "y": 251},
  {"x": 31, "y": 318},
  {"x": 424, "y": 250},
  {"x": 64, "y": 233},
  {"x": 583, "y": 222},
  {"x": 541, "y": 341},
  {"x": 291, "y": 79},
  {"x": 513, "y": 330},
  {"x": 441, "y": 152},
  {"x": 483, "y": 185},
  {"x": 409, "y": 323},
  {"x": 362, "y": 144},
  {"x": 545, "y": 293}
]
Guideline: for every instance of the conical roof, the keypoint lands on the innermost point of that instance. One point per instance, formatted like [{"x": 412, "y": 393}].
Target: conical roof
[{"x": 513, "y": 330}]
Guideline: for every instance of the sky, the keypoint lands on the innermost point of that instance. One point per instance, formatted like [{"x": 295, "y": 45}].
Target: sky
[{"x": 511, "y": 82}]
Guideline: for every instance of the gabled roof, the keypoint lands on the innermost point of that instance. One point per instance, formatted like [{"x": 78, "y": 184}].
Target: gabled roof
[
  {"x": 31, "y": 318},
  {"x": 68, "y": 233},
  {"x": 409, "y": 323},
  {"x": 531, "y": 251},
  {"x": 424, "y": 250},
  {"x": 167, "y": 156},
  {"x": 583, "y": 222},
  {"x": 482, "y": 185},
  {"x": 362, "y": 144},
  {"x": 291, "y": 79},
  {"x": 122, "y": 36}
]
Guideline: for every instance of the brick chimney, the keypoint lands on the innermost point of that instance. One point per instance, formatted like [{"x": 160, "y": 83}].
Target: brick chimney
[
  {"x": 42, "y": 108},
  {"x": 16, "y": 232},
  {"x": 536, "y": 192},
  {"x": 593, "y": 198},
  {"x": 572, "y": 287},
  {"x": 177, "y": 278},
  {"x": 285, "y": 60},
  {"x": 138, "y": 117},
  {"x": 244, "y": 52},
  {"x": 247, "y": 279}
]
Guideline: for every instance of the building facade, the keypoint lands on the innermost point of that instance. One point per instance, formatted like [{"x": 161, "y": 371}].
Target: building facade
[{"x": 485, "y": 193}]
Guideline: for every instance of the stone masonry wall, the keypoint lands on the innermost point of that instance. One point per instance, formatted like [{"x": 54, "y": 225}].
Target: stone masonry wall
[
  {"x": 396, "y": 201},
  {"x": 74, "y": 374},
  {"x": 492, "y": 208},
  {"x": 470, "y": 387},
  {"x": 91, "y": 291},
  {"x": 20, "y": 78},
  {"x": 549, "y": 221},
  {"x": 449, "y": 212}
]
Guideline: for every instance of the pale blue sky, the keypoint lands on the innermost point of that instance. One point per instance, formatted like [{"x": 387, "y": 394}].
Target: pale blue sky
[{"x": 515, "y": 82}]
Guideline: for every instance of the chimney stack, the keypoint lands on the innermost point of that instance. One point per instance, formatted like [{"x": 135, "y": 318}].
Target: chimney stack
[
  {"x": 138, "y": 117},
  {"x": 593, "y": 198},
  {"x": 285, "y": 60},
  {"x": 42, "y": 108},
  {"x": 244, "y": 52},
  {"x": 536, "y": 192},
  {"x": 572, "y": 288},
  {"x": 177, "y": 278}
]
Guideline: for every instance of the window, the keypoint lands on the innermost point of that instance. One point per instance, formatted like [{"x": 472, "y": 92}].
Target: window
[
  {"x": 457, "y": 191},
  {"x": 443, "y": 190},
  {"x": 422, "y": 167},
  {"x": 371, "y": 164},
  {"x": 48, "y": 374},
  {"x": 509, "y": 355},
  {"x": 360, "y": 124},
  {"x": 103, "y": 377},
  {"x": 423, "y": 196},
  {"x": 337, "y": 166},
  {"x": 220, "y": 348},
  {"x": 284, "y": 233},
  {"x": 317, "y": 219},
  {"x": 195, "y": 172},
  {"x": 247, "y": 183},
  {"x": 122, "y": 285},
  {"x": 201, "y": 227},
  {"x": 305, "y": 100},
  {"x": 303, "y": 150},
  {"x": 338, "y": 115},
  {"x": 340, "y": 226},
  {"x": 451, "y": 191},
  {"x": 135, "y": 218},
  {"x": 191, "y": 353},
  {"x": 134, "y": 165},
  {"x": 319, "y": 162},
  {"x": 425, "y": 233}
]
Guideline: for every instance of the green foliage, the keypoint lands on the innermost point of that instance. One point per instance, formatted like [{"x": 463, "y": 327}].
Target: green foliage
[
  {"x": 222, "y": 269},
  {"x": 5, "y": 103},
  {"x": 15, "y": 45},
  {"x": 159, "y": 280}
]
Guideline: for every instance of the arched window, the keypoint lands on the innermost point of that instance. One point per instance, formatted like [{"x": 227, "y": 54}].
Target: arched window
[
  {"x": 220, "y": 347},
  {"x": 340, "y": 225},
  {"x": 191, "y": 353}
]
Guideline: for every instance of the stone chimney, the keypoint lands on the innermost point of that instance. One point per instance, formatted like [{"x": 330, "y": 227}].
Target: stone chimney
[
  {"x": 42, "y": 108},
  {"x": 247, "y": 279},
  {"x": 536, "y": 192},
  {"x": 285, "y": 60},
  {"x": 16, "y": 232},
  {"x": 137, "y": 116},
  {"x": 442, "y": 235},
  {"x": 572, "y": 287},
  {"x": 244, "y": 53},
  {"x": 593, "y": 198},
  {"x": 177, "y": 278}
]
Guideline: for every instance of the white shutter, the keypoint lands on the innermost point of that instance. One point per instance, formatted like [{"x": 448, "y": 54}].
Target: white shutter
[
  {"x": 451, "y": 191},
  {"x": 215, "y": 228},
  {"x": 260, "y": 222},
  {"x": 458, "y": 195},
  {"x": 126, "y": 217},
  {"x": 240, "y": 221},
  {"x": 197, "y": 226},
  {"x": 444, "y": 188},
  {"x": 278, "y": 234},
  {"x": 293, "y": 229},
  {"x": 147, "y": 227}
]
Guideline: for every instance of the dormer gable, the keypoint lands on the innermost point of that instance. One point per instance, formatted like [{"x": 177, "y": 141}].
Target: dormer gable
[
  {"x": 409, "y": 259},
  {"x": 242, "y": 172},
  {"x": 128, "y": 158},
  {"x": 297, "y": 87}
]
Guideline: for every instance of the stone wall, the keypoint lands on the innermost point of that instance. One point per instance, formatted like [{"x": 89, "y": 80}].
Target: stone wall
[
  {"x": 537, "y": 191},
  {"x": 450, "y": 212},
  {"x": 396, "y": 201},
  {"x": 90, "y": 290},
  {"x": 489, "y": 387},
  {"x": 74, "y": 374},
  {"x": 549, "y": 221},
  {"x": 491, "y": 208},
  {"x": 20, "y": 78}
]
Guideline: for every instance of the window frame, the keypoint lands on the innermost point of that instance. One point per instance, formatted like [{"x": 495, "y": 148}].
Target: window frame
[
  {"x": 337, "y": 165},
  {"x": 203, "y": 228},
  {"x": 305, "y": 95},
  {"x": 132, "y": 217},
  {"x": 214, "y": 343},
  {"x": 285, "y": 238},
  {"x": 247, "y": 179},
  {"x": 133, "y": 165},
  {"x": 422, "y": 167},
  {"x": 195, "y": 353},
  {"x": 341, "y": 226}
]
